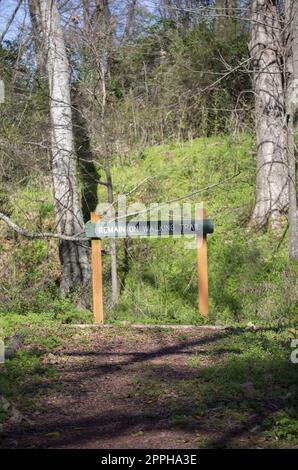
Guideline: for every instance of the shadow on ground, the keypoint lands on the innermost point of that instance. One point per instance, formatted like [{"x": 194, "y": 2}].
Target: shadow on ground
[{"x": 156, "y": 389}]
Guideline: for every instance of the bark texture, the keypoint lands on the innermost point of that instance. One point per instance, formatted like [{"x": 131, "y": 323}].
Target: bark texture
[
  {"x": 272, "y": 172},
  {"x": 69, "y": 219}
]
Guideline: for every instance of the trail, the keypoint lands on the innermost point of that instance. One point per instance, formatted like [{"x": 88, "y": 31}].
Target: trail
[{"x": 134, "y": 389}]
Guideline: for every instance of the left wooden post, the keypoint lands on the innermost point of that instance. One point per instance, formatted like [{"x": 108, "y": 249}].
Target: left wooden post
[{"x": 97, "y": 288}]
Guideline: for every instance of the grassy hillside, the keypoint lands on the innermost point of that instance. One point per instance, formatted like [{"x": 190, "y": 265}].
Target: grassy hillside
[{"x": 250, "y": 277}]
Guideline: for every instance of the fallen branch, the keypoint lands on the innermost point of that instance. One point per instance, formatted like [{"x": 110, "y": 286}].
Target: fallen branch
[
  {"x": 26, "y": 233},
  {"x": 78, "y": 236},
  {"x": 181, "y": 198}
]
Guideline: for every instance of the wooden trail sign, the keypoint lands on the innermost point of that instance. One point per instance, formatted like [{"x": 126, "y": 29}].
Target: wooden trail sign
[
  {"x": 156, "y": 228},
  {"x": 97, "y": 229}
]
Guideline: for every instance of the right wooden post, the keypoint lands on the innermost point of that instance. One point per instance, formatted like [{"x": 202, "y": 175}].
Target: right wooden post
[{"x": 202, "y": 266}]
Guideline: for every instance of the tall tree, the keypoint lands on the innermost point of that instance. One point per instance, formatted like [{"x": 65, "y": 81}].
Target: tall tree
[
  {"x": 103, "y": 37},
  {"x": 129, "y": 21},
  {"x": 69, "y": 219},
  {"x": 272, "y": 172},
  {"x": 36, "y": 33},
  {"x": 291, "y": 43}
]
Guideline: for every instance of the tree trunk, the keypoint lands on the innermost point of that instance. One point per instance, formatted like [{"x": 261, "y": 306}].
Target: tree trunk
[
  {"x": 272, "y": 173},
  {"x": 113, "y": 252},
  {"x": 130, "y": 19},
  {"x": 69, "y": 219},
  {"x": 103, "y": 35},
  {"x": 86, "y": 18},
  {"x": 291, "y": 42},
  {"x": 36, "y": 33}
]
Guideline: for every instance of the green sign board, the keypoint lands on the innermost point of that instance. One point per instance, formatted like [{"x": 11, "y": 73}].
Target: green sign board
[{"x": 157, "y": 228}]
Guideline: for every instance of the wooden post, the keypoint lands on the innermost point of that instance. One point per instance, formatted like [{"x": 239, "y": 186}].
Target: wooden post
[
  {"x": 202, "y": 267},
  {"x": 97, "y": 289}
]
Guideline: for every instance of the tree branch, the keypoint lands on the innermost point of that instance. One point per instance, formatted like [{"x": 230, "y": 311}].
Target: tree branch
[
  {"x": 26, "y": 233},
  {"x": 10, "y": 21}
]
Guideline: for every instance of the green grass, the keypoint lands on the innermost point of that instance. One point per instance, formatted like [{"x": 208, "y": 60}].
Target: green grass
[
  {"x": 21, "y": 377},
  {"x": 283, "y": 427}
]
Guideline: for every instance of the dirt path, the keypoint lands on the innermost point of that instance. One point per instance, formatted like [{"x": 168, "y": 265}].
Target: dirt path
[{"x": 137, "y": 389}]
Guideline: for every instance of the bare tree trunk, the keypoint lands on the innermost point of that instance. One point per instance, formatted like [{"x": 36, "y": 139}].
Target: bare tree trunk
[
  {"x": 272, "y": 173},
  {"x": 36, "y": 32},
  {"x": 291, "y": 31},
  {"x": 69, "y": 219},
  {"x": 86, "y": 18},
  {"x": 103, "y": 33},
  {"x": 130, "y": 19},
  {"x": 113, "y": 252}
]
